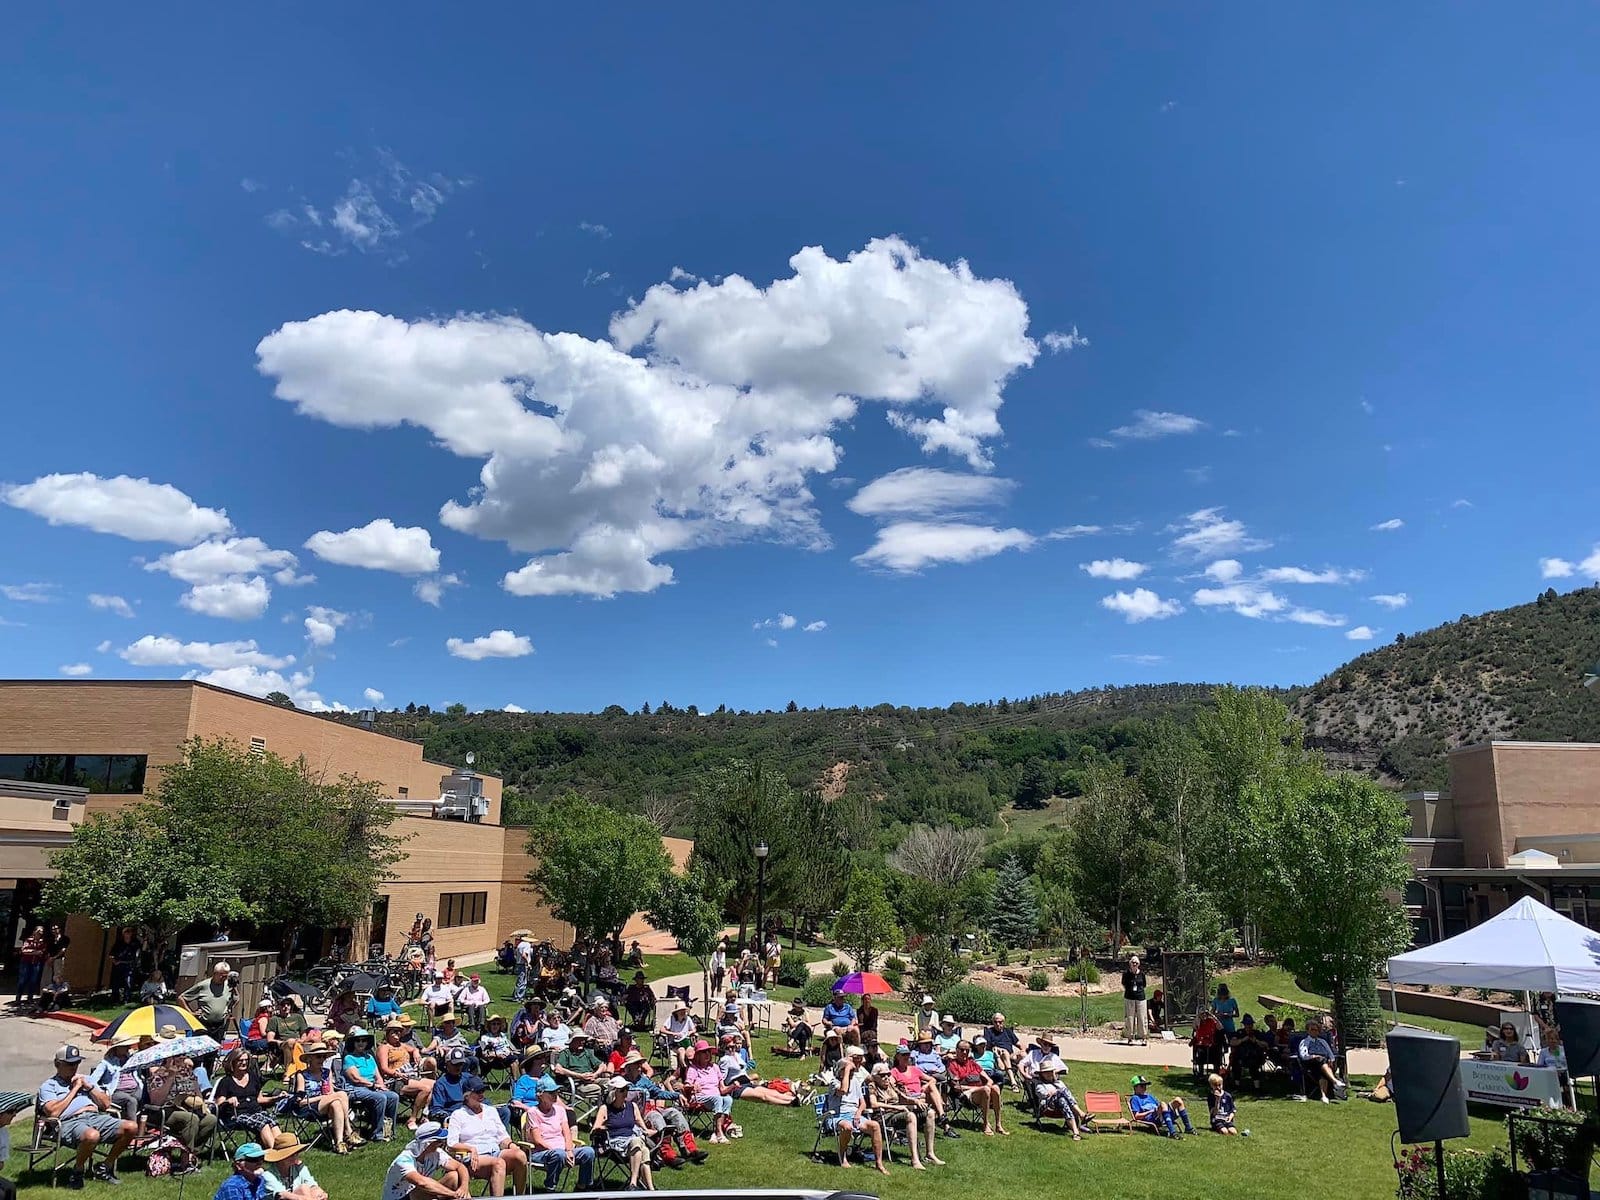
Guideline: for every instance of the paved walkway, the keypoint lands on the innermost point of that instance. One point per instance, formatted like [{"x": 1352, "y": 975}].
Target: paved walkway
[
  {"x": 1158, "y": 1053},
  {"x": 28, "y": 1050}
]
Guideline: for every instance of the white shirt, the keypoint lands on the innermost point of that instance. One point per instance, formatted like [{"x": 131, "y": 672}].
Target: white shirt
[
  {"x": 438, "y": 993},
  {"x": 524, "y": 951},
  {"x": 472, "y": 996},
  {"x": 482, "y": 1130},
  {"x": 554, "y": 1038},
  {"x": 395, "y": 1184}
]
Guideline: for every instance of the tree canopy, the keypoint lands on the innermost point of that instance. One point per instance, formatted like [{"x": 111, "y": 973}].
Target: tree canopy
[{"x": 596, "y": 867}]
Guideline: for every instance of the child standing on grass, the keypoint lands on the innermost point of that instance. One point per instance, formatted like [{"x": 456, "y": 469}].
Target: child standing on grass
[{"x": 1220, "y": 1101}]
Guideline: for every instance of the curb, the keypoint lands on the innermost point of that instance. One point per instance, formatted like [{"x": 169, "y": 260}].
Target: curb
[{"x": 72, "y": 1018}]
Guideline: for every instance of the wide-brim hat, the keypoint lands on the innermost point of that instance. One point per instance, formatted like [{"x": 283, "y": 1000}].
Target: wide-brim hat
[
  {"x": 702, "y": 1046},
  {"x": 124, "y": 1042},
  {"x": 535, "y": 1052},
  {"x": 315, "y": 1049},
  {"x": 681, "y": 1006},
  {"x": 493, "y": 1017},
  {"x": 633, "y": 1057},
  {"x": 287, "y": 1148},
  {"x": 407, "y": 1021},
  {"x": 395, "y": 1023}
]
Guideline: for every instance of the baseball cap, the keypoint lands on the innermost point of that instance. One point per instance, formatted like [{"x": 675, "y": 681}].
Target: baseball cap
[
  {"x": 619, "y": 1082},
  {"x": 1139, "y": 1081},
  {"x": 250, "y": 1150},
  {"x": 856, "y": 1052},
  {"x": 473, "y": 1083},
  {"x": 68, "y": 1053}
]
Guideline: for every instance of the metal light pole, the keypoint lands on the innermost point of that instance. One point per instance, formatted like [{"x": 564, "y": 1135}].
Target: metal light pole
[{"x": 761, "y": 897}]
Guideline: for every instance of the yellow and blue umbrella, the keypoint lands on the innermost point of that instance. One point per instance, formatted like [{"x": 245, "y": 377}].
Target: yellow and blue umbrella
[{"x": 147, "y": 1022}]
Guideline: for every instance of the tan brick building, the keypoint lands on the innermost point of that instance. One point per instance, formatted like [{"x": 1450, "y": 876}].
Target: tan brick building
[
  {"x": 1520, "y": 819},
  {"x": 70, "y": 748}
]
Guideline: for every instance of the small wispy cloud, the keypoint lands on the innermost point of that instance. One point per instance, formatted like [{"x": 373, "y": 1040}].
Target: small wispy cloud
[
  {"x": 1206, "y": 533},
  {"x": 815, "y": 626},
  {"x": 28, "y": 593},
  {"x": 1072, "y": 531},
  {"x": 76, "y": 670},
  {"x": 379, "y": 207},
  {"x": 1058, "y": 342},
  {"x": 1168, "y": 105},
  {"x": 1148, "y": 423},
  {"x": 1461, "y": 503},
  {"x": 1366, "y": 406},
  {"x": 1388, "y": 526},
  {"x": 1392, "y": 600},
  {"x": 1198, "y": 475},
  {"x": 782, "y": 621},
  {"x": 594, "y": 227},
  {"x": 1113, "y": 568},
  {"x": 112, "y": 604},
  {"x": 1361, "y": 633},
  {"x": 679, "y": 275},
  {"x": 592, "y": 277},
  {"x": 1141, "y": 604},
  {"x": 251, "y": 186},
  {"x": 1141, "y": 660}
]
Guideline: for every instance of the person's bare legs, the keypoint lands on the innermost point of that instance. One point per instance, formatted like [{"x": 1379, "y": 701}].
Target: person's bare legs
[
  {"x": 517, "y": 1163},
  {"x": 927, "y": 1127},
  {"x": 876, "y": 1131},
  {"x": 491, "y": 1169}
]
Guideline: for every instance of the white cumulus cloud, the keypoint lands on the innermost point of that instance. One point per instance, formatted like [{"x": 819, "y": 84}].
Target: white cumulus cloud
[
  {"x": 1225, "y": 570},
  {"x": 1206, "y": 533},
  {"x": 230, "y": 599},
  {"x": 1392, "y": 599},
  {"x": 223, "y": 558},
  {"x": 76, "y": 670},
  {"x": 925, "y": 491},
  {"x": 1059, "y": 342},
  {"x": 815, "y": 626},
  {"x": 372, "y": 695},
  {"x": 1113, "y": 568},
  {"x": 323, "y": 624},
  {"x": 255, "y": 681},
  {"x": 514, "y": 708},
  {"x": 1391, "y": 524},
  {"x": 1308, "y": 576},
  {"x": 379, "y": 545},
  {"x": 1556, "y": 568},
  {"x": 163, "y": 651},
  {"x": 911, "y": 545},
  {"x": 112, "y": 604},
  {"x": 1361, "y": 633},
  {"x": 136, "y": 509},
  {"x": 1141, "y": 604},
  {"x": 700, "y": 423},
  {"x": 501, "y": 643}
]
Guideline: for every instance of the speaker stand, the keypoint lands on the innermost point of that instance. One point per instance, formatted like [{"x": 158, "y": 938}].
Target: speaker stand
[{"x": 1438, "y": 1166}]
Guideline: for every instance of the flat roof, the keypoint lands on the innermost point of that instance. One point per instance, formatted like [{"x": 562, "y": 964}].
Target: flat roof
[
  {"x": 1515, "y": 745},
  {"x": 1571, "y": 871}
]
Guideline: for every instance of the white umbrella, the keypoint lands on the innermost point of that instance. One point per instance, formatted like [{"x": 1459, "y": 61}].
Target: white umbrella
[{"x": 183, "y": 1047}]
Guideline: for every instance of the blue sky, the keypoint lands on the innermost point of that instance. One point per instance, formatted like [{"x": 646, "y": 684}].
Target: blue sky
[{"x": 561, "y": 360}]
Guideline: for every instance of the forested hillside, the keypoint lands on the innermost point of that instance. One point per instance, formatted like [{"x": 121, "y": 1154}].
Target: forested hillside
[
  {"x": 1512, "y": 673},
  {"x": 1393, "y": 712},
  {"x": 955, "y": 765}
]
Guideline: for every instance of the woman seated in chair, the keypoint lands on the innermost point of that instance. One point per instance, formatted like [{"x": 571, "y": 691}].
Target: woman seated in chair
[
  {"x": 314, "y": 1095},
  {"x": 625, "y": 1046},
  {"x": 620, "y": 1132},
  {"x": 345, "y": 1010},
  {"x": 884, "y": 1103},
  {"x": 400, "y": 1065},
  {"x": 852, "y": 1121},
  {"x": 241, "y": 1101},
  {"x": 796, "y": 1030},
  {"x": 702, "y": 1080},
  {"x": 362, "y": 1079},
  {"x": 174, "y": 1087},
  {"x": 494, "y": 1047},
  {"x": 679, "y": 1032},
  {"x": 639, "y": 1002}
]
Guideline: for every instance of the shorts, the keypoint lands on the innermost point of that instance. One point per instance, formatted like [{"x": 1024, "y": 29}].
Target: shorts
[
  {"x": 109, "y": 1125},
  {"x": 738, "y": 1089}
]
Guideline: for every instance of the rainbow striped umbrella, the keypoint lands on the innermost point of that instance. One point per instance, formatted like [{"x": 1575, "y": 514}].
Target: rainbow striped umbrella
[{"x": 864, "y": 983}]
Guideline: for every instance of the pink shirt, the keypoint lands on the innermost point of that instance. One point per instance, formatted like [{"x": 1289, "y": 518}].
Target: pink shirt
[
  {"x": 910, "y": 1079},
  {"x": 705, "y": 1083},
  {"x": 551, "y": 1130}
]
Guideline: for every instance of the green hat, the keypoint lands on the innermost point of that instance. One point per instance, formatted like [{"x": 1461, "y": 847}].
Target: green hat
[{"x": 1139, "y": 1081}]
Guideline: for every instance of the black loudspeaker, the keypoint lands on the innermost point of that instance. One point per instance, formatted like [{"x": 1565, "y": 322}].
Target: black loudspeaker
[
  {"x": 1580, "y": 1036},
  {"x": 1428, "y": 1097}
]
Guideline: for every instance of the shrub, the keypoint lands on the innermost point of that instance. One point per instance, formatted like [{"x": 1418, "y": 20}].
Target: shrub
[
  {"x": 1083, "y": 971},
  {"x": 1038, "y": 981},
  {"x": 792, "y": 969},
  {"x": 1001, "y": 958},
  {"x": 938, "y": 966},
  {"x": 818, "y": 991},
  {"x": 894, "y": 962},
  {"x": 969, "y": 1003},
  {"x": 839, "y": 968},
  {"x": 895, "y": 979}
]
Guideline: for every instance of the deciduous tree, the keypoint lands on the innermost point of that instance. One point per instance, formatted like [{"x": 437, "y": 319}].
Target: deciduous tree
[
  {"x": 596, "y": 866},
  {"x": 865, "y": 927}
]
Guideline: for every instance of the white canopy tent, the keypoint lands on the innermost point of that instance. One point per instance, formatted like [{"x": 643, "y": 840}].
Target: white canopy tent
[{"x": 1527, "y": 948}]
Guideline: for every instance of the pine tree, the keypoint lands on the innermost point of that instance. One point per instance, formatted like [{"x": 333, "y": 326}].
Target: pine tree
[{"x": 1015, "y": 923}]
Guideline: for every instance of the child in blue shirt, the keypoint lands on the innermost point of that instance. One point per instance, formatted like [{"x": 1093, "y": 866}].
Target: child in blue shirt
[
  {"x": 1151, "y": 1114},
  {"x": 1220, "y": 1102}
]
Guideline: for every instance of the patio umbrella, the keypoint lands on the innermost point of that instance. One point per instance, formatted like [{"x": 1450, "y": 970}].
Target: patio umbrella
[
  {"x": 282, "y": 987},
  {"x": 361, "y": 981},
  {"x": 521, "y": 933},
  {"x": 190, "y": 1047},
  {"x": 865, "y": 983},
  {"x": 147, "y": 1022}
]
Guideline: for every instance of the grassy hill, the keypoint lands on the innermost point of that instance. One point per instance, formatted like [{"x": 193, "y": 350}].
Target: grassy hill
[{"x": 1512, "y": 673}]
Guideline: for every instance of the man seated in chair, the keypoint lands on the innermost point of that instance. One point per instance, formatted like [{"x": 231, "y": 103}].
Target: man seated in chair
[
  {"x": 662, "y": 1113},
  {"x": 448, "y": 1039},
  {"x": 494, "y": 1048},
  {"x": 1316, "y": 1061},
  {"x": 639, "y": 1002},
  {"x": 1247, "y": 1056},
  {"x": 796, "y": 1030},
  {"x": 424, "y": 1171},
  {"x": 581, "y": 1069},
  {"x": 449, "y": 1090},
  {"x": 84, "y": 1117},
  {"x": 601, "y": 1026},
  {"x": 477, "y": 1127},
  {"x": 472, "y": 998},
  {"x": 839, "y": 1014}
]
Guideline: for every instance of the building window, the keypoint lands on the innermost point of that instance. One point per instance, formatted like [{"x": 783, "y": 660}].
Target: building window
[
  {"x": 1416, "y": 894},
  {"x": 258, "y": 745},
  {"x": 462, "y": 908},
  {"x": 102, "y": 774},
  {"x": 404, "y": 792}
]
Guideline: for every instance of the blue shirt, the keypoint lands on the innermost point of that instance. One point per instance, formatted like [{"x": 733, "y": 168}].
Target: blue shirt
[
  {"x": 1314, "y": 1047},
  {"x": 1001, "y": 1039},
  {"x": 840, "y": 1015},
  {"x": 1139, "y": 1105},
  {"x": 237, "y": 1187},
  {"x": 1227, "y": 1011},
  {"x": 526, "y": 1089},
  {"x": 53, "y": 1089},
  {"x": 382, "y": 1008},
  {"x": 929, "y": 1061},
  {"x": 447, "y": 1094}
]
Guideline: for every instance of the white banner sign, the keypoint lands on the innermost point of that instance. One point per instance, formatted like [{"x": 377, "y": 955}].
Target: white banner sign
[{"x": 1511, "y": 1085}]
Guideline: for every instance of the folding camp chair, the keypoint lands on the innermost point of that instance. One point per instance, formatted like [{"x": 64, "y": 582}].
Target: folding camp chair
[
  {"x": 1105, "y": 1113},
  {"x": 612, "y": 1162},
  {"x": 46, "y": 1145},
  {"x": 826, "y": 1107}
]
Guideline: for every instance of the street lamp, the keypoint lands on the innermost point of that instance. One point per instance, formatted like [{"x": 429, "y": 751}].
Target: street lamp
[{"x": 761, "y": 896}]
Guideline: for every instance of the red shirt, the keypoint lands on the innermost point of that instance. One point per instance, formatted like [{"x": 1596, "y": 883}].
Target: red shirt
[{"x": 966, "y": 1072}]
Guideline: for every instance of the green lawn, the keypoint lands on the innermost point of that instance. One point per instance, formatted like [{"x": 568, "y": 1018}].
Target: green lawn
[
  {"x": 1341, "y": 1149},
  {"x": 1028, "y": 821}
]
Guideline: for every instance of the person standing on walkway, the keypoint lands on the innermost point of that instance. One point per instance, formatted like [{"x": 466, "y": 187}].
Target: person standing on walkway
[{"x": 1134, "y": 1028}]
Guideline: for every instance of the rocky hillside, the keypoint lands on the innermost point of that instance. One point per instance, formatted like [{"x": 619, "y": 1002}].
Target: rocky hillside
[{"x": 1513, "y": 673}]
